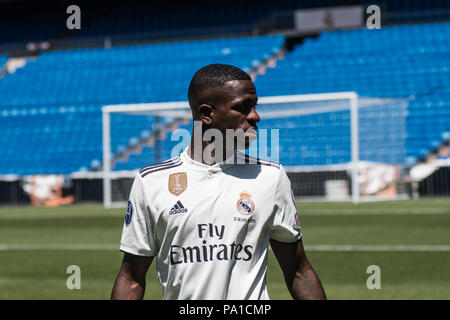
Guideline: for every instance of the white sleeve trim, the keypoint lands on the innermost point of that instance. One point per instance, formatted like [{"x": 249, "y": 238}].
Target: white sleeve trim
[{"x": 135, "y": 251}]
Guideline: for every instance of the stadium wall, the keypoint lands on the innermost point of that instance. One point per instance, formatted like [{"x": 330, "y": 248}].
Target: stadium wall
[
  {"x": 436, "y": 185},
  {"x": 12, "y": 193}
]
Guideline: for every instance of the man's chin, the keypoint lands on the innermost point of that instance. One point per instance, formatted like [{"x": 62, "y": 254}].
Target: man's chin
[{"x": 243, "y": 144}]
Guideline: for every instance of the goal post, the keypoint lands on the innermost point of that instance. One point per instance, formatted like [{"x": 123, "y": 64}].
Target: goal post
[
  {"x": 106, "y": 135},
  {"x": 319, "y": 140},
  {"x": 352, "y": 98}
]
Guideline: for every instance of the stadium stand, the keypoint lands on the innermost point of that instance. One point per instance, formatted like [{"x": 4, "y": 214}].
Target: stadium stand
[
  {"x": 54, "y": 124},
  {"x": 427, "y": 123},
  {"x": 36, "y": 22},
  {"x": 417, "y": 68},
  {"x": 417, "y": 63},
  {"x": 3, "y": 60},
  {"x": 202, "y": 18},
  {"x": 77, "y": 82},
  {"x": 50, "y": 113},
  {"x": 397, "y": 133},
  {"x": 23, "y": 22}
]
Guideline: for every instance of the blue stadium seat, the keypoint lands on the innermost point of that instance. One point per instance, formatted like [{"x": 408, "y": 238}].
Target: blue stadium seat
[
  {"x": 355, "y": 60},
  {"x": 53, "y": 123},
  {"x": 51, "y": 108}
]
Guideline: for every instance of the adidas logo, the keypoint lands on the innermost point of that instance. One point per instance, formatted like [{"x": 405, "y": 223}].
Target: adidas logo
[{"x": 178, "y": 208}]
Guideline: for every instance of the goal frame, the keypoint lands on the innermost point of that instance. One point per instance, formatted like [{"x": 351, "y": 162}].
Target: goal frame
[{"x": 107, "y": 110}]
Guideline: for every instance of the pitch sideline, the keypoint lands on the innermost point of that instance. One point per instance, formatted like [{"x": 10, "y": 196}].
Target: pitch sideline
[{"x": 341, "y": 248}]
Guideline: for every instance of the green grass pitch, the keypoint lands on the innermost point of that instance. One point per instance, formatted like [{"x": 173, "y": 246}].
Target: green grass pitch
[{"x": 408, "y": 240}]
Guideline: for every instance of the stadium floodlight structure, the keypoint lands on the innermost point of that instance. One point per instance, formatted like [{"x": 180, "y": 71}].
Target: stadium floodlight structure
[{"x": 329, "y": 122}]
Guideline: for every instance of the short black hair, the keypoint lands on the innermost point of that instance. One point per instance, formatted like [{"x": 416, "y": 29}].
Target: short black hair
[{"x": 213, "y": 76}]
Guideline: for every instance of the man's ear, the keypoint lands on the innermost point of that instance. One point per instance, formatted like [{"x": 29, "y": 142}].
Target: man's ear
[{"x": 206, "y": 114}]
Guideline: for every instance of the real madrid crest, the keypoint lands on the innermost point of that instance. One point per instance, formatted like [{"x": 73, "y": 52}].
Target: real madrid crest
[
  {"x": 245, "y": 205},
  {"x": 177, "y": 183}
]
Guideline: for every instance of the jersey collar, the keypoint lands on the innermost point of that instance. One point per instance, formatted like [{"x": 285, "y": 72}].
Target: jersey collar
[{"x": 196, "y": 165}]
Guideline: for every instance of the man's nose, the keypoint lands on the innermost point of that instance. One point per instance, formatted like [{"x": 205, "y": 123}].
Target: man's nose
[{"x": 253, "y": 116}]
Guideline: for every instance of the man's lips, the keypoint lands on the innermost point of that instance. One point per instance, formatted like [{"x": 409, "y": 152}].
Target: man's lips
[
  {"x": 251, "y": 129},
  {"x": 251, "y": 133}
]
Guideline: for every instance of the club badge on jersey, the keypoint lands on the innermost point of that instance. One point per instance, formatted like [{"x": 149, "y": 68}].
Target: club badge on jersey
[
  {"x": 177, "y": 183},
  {"x": 245, "y": 205},
  {"x": 129, "y": 213}
]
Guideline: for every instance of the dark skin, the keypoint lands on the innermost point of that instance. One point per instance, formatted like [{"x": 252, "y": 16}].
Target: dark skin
[
  {"x": 300, "y": 277},
  {"x": 229, "y": 107},
  {"x": 130, "y": 282}
]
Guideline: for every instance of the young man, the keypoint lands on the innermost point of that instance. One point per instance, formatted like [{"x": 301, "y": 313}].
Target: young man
[{"x": 208, "y": 216}]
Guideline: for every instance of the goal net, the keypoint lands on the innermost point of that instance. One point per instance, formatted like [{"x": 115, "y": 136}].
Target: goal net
[{"x": 334, "y": 146}]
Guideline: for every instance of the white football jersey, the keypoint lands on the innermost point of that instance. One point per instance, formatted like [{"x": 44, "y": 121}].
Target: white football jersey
[{"x": 209, "y": 226}]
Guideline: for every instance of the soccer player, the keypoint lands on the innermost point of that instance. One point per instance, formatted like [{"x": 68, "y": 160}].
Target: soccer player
[{"x": 209, "y": 225}]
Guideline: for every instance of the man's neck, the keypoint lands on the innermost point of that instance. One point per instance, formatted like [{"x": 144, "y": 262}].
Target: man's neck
[{"x": 206, "y": 153}]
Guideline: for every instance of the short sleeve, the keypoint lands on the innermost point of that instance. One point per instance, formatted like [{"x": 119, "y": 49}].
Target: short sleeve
[
  {"x": 137, "y": 234},
  {"x": 286, "y": 226}
]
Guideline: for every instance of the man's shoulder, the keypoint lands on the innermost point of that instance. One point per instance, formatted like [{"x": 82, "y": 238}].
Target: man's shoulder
[{"x": 161, "y": 167}]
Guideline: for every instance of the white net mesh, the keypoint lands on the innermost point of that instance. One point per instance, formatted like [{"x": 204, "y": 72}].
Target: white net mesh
[{"x": 312, "y": 136}]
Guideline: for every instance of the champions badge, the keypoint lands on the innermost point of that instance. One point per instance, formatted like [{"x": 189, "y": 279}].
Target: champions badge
[
  {"x": 245, "y": 205},
  {"x": 177, "y": 183}
]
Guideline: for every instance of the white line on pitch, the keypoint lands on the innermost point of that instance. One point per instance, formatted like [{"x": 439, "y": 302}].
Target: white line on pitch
[
  {"x": 377, "y": 248},
  {"x": 81, "y": 247},
  {"x": 374, "y": 211},
  {"x": 49, "y": 246},
  {"x": 59, "y": 216},
  {"x": 303, "y": 212}
]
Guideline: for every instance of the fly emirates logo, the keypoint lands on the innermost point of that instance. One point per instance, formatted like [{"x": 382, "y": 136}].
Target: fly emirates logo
[{"x": 208, "y": 251}]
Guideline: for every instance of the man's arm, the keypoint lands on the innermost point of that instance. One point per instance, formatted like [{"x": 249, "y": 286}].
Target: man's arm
[
  {"x": 300, "y": 277},
  {"x": 130, "y": 282}
]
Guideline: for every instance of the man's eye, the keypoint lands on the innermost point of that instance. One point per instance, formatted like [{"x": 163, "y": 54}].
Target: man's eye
[
  {"x": 244, "y": 107},
  {"x": 247, "y": 109},
  {"x": 240, "y": 108}
]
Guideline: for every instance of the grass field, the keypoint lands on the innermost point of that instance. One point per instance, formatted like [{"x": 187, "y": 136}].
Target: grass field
[{"x": 408, "y": 240}]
